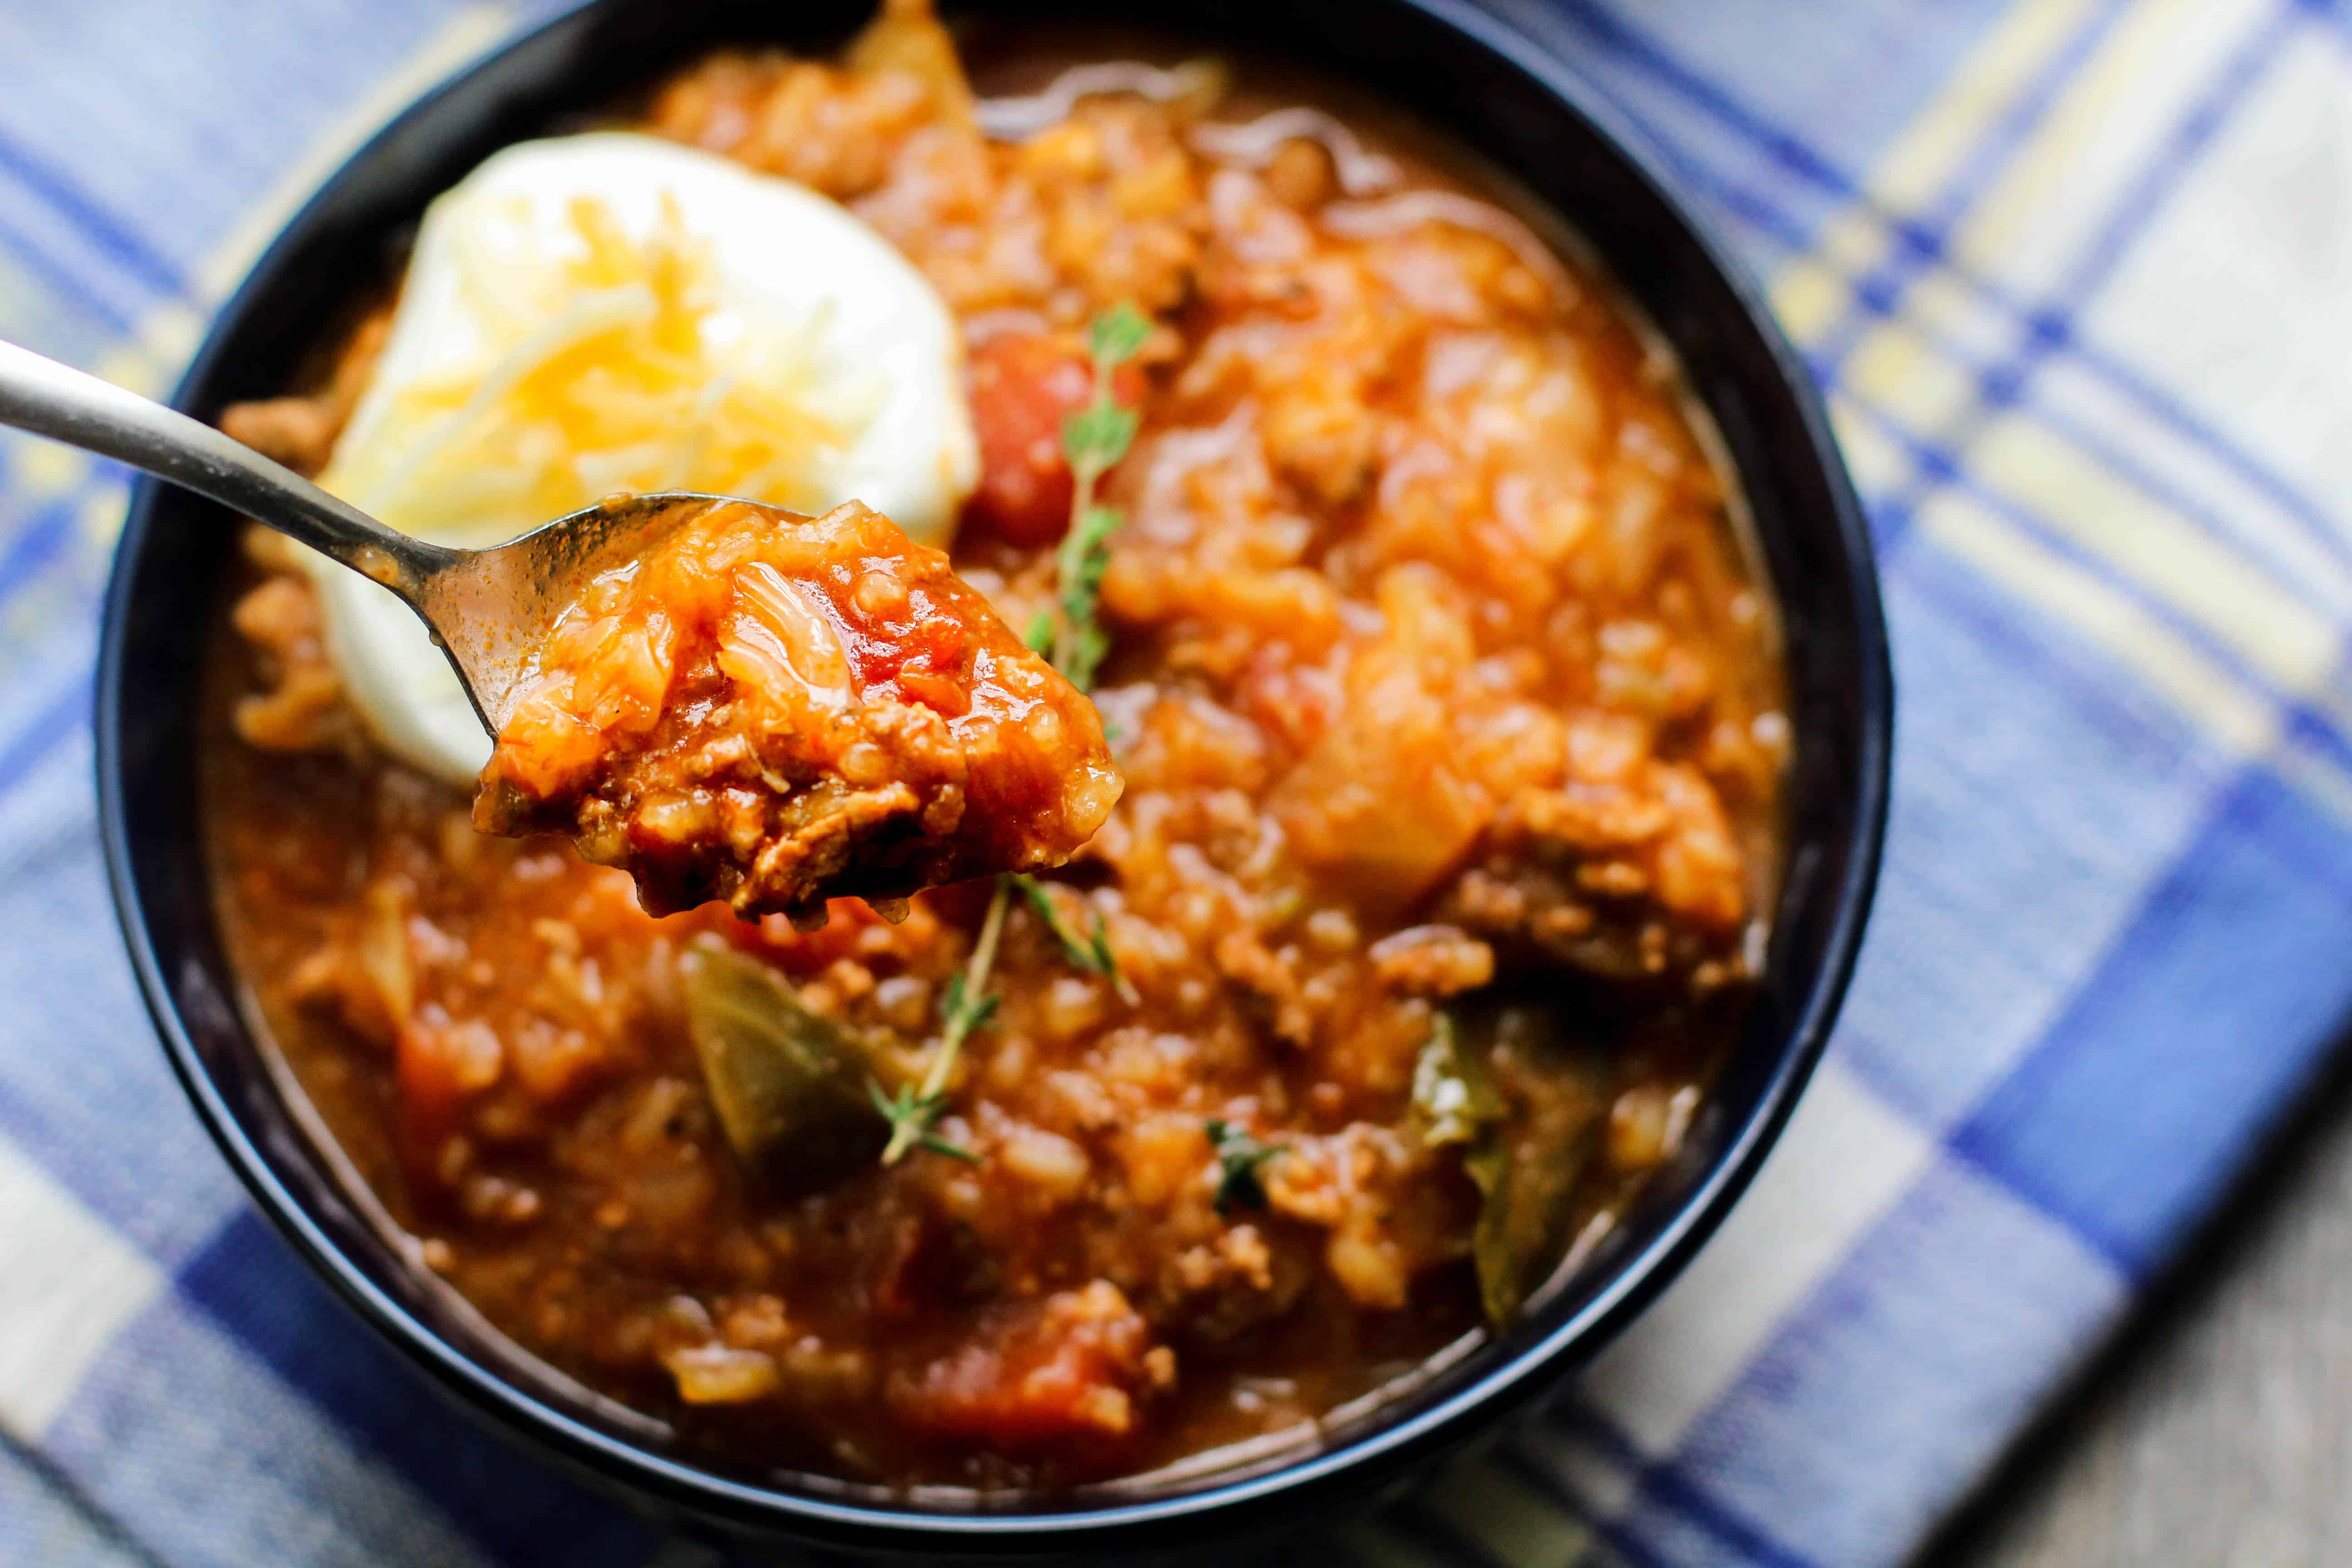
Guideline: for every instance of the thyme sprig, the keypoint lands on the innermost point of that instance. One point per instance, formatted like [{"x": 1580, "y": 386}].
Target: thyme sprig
[
  {"x": 1090, "y": 953},
  {"x": 1239, "y": 1156},
  {"x": 1094, "y": 438},
  {"x": 964, "y": 1010}
]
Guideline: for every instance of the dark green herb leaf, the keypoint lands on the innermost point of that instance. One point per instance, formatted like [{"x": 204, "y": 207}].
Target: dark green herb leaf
[
  {"x": 1530, "y": 1166},
  {"x": 783, "y": 1080},
  {"x": 1239, "y": 1156},
  {"x": 911, "y": 1115},
  {"x": 962, "y": 1015},
  {"x": 1079, "y": 643},
  {"x": 965, "y": 1007},
  {"x": 938, "y": 1145},
  {"x": 1094, "y": 438},
  {"x": 1092, "y": 954}
]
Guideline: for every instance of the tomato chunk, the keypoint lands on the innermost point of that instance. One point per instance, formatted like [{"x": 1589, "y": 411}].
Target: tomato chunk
[
  {"x": 1022, "y": 386},
  {"x": 1070, "y": 1368}
]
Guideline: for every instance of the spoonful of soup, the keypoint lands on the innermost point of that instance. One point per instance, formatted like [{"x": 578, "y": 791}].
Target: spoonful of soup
[{"x": 727, "y": 700}]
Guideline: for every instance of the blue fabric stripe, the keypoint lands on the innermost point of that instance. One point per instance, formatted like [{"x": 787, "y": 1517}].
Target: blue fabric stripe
[
  {"x": 2176, "y": 416},
  {"x": 1991, "y": 908},
  {"x": 1886, "y": 285},
  {"x": 1786, "y": 149},
  {"x": 111, "y": 234},
  {"x": 1962, "y": 1297},
  {"x": 33, "y": 546},
  {"x": 65, "y": 713},
  {"x": 64, "y": 280},
  {"x": 1536, "y": 1479},
  {"x": 519, "y": 1509},
  {"x": 2242, "y": 940},
  {"x": 1792, "y": 156},
  {"x": 2002, "y": 388},
  {"x": 84, "y": 1090},
  {"x": 2189, "y": 138},
  {"x": 45, "y": 1522},
  {"x": 1660, "y": 1488},
  {"x": 1937, "y": 464}
]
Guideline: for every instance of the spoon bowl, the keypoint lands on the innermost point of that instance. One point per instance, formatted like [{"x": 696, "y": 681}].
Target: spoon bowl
[{"x": 492, "y": 610}]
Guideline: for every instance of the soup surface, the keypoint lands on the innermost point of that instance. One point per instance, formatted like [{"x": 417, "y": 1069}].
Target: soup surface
[{"x": 1449, "y": 722}]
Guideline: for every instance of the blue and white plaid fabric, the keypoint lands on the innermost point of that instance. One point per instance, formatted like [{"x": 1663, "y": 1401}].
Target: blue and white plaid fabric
[{"x": 2078, "y": 275}]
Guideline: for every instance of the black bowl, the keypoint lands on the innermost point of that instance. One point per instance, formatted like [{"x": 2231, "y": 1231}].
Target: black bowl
[{"x": 1491, "y": 89}]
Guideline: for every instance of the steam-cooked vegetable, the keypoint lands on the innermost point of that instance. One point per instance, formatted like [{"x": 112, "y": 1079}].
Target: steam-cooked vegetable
[
  {"x": 1454, "y": 1101},
  {"x": 1529, "y": 1106},
  {"x": 785, "y": 1082}
]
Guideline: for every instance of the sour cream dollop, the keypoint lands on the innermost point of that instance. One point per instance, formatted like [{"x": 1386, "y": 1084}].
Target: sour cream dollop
[{"x": 609, "y": 312}]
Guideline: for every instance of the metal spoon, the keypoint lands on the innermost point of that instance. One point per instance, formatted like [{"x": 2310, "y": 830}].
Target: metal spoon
[{"x": 489, "y": 610}]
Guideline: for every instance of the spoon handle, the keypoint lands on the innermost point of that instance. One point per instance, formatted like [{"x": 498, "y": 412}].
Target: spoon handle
[{"x": 54, "y": 400}]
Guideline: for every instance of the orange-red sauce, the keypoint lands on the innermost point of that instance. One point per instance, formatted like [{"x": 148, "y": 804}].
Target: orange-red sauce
[{"x": 1443, "y": 700}]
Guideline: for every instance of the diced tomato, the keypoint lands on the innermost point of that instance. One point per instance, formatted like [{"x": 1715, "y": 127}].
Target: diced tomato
[
  {"x": 439, "y": 1066},
  {"x": 1022, "y": 386},
  {"x": 1069, "y": 1369}
]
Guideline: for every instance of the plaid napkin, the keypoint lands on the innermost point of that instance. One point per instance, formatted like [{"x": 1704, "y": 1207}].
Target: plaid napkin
[{"x": 2074, "y": 271}]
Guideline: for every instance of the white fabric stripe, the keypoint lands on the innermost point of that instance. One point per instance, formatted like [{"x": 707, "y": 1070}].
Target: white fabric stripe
[
  {"x": 1508, "y": 1519},
  {"x": 1369, "y": 1546},
  {"x": 1843, "y": 1161},
  {"x": 455, "y": 42},
  {"x": 1599, "y": 1482},
  {"x": 68, "y": 1283},
  {"x": 2186, "y": 302},
  {"x": 198, "y": 1447}
]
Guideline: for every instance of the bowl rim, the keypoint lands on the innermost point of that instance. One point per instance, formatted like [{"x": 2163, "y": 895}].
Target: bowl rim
[{"x": 1637, "y": 1278}]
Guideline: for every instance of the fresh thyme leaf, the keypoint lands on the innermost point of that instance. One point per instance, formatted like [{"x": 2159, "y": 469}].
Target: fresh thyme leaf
[
  {"x": 1080, "y": 642},
  {"x": 911, "y": 1115},
  {"x": 938, "y": 1145},
  {"x": 965, "y": 1007},
  {"x": 1106, "y": 962},
  {"x": 1085, "y": 556},
  {"x": 1092, "y": 954},
  {"x": 1239, "y": 1156},
  {"x": 962, "y": 1013},
  {"x": 1113, "y": 337},
  {"x": 1094, "y": 439},
  {"x": 1097, "y": 436},
  {"x": 1082, "y": 655}
]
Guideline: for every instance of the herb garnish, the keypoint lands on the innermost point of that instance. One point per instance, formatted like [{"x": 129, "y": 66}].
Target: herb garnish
[
  {"x": 1094, "y": 438},
  {"x": 1239, "y": 1156},
  {"x": 964, "y": 1010},
  {"x": 1091, "y": 953}
]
